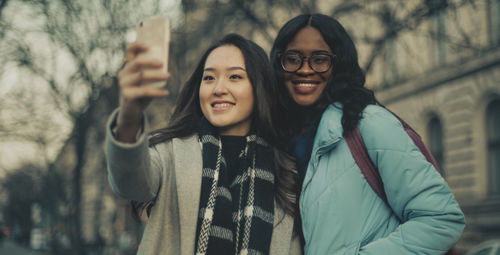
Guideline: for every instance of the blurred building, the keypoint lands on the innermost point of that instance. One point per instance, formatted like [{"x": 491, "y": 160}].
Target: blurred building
[{"x": 442, "y": 75}]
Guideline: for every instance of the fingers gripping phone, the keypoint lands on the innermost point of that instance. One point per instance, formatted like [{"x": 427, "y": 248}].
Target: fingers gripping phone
[{"x": 155, "y": 33}]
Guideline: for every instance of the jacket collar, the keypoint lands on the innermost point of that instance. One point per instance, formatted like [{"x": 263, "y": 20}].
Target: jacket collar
[
  {"x": 330, "y": 127},
  {"x": 328, "y": 134}
]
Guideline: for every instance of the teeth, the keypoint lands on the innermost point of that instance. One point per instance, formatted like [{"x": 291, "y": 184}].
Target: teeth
[
  {"x": 221, "y": 105},
  {"x": 306, "y": 84}
]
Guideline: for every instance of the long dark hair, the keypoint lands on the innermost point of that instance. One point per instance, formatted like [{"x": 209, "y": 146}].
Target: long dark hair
[
  {"x": 187, "y": 116},
  {"x": 346, "y": 84}
]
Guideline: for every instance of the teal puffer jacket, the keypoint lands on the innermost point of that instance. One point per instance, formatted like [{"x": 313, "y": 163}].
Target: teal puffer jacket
[{"x": 341, "y": 214}]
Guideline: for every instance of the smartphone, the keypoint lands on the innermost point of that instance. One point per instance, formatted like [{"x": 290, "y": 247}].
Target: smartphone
[{"x": 155, "y": 33}]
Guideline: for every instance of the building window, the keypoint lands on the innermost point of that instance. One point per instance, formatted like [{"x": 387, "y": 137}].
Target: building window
[
  {"x": 437, "y": 8},
  {"x": 494, "y": 21},
  {"x": 493, "y": 138},
  {"x": 435, "y": 131},
  {"x": 440, "y": 28},
  {"x": 391, "y": 62}
]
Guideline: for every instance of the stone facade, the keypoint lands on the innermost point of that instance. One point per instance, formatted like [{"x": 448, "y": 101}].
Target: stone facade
[
  {"x": 456, "y": 91},
  {"x": 459, "y": 99}
]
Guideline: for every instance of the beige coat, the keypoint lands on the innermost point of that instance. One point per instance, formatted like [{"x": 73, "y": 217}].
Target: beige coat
[{"x": 170, "y": 173}]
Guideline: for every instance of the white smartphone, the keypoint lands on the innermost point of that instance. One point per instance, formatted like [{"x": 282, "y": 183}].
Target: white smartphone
[{"x": 155, "y": 33}]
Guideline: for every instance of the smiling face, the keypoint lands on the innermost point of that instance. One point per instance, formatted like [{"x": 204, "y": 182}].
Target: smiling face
[
  {"x": 306, "y": 86},
  {"x": 226, "y": 94}
]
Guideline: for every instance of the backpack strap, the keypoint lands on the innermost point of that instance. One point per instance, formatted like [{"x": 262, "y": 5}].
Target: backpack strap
[
  {"x": 418, "y": 142},
  {"x": 360, "y": 155},
  {"x": 370, "y": 171}
]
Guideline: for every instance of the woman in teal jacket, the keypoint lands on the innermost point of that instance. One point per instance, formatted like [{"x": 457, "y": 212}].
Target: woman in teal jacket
[{"x": 321, "y": 87}]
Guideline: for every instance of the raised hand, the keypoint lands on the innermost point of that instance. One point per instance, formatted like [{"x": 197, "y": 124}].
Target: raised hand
[{"x": 134, "y": 95}]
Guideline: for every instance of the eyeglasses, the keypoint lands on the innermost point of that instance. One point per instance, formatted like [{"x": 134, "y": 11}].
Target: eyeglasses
[{"x": 319, "y": 62}]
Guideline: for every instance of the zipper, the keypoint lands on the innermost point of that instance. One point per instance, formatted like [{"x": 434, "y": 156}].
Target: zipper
[
  {"x": 316, "y": 159},
  {"x": 316, "y": 152}
]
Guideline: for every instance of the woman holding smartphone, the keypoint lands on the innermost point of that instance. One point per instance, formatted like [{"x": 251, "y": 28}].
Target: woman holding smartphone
[
  {"x": 215, "y": 180},
  {"x": 321, "y": 89}
]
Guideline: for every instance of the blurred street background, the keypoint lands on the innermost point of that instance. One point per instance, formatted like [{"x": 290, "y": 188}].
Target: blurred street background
[{"x": 436, "y": 63}]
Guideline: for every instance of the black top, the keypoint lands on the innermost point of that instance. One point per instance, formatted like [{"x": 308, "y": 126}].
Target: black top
[
  {"x": 233, "y": 149},
  {"x": 301, "y": 148}
]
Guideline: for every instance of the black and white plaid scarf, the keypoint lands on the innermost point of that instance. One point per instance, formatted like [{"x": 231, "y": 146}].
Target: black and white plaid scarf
[{"x": 235, "y": 219}]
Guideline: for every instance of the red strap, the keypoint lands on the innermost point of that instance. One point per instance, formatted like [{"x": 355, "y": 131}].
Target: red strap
[
  {"x": 360, "y": 155},
  {"x": 418, "y": 142}
]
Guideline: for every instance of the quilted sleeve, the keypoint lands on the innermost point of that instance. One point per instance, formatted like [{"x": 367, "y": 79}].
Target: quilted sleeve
[{"x": 431, "y": 217}]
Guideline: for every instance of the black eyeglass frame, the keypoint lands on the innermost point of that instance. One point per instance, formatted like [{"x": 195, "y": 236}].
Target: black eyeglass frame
[{"x": 302, "y": 58}]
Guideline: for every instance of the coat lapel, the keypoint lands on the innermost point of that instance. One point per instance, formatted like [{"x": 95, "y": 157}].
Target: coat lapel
[
  {"x": 282, "y": 232},
  {"x": 188, "y": 170}
]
